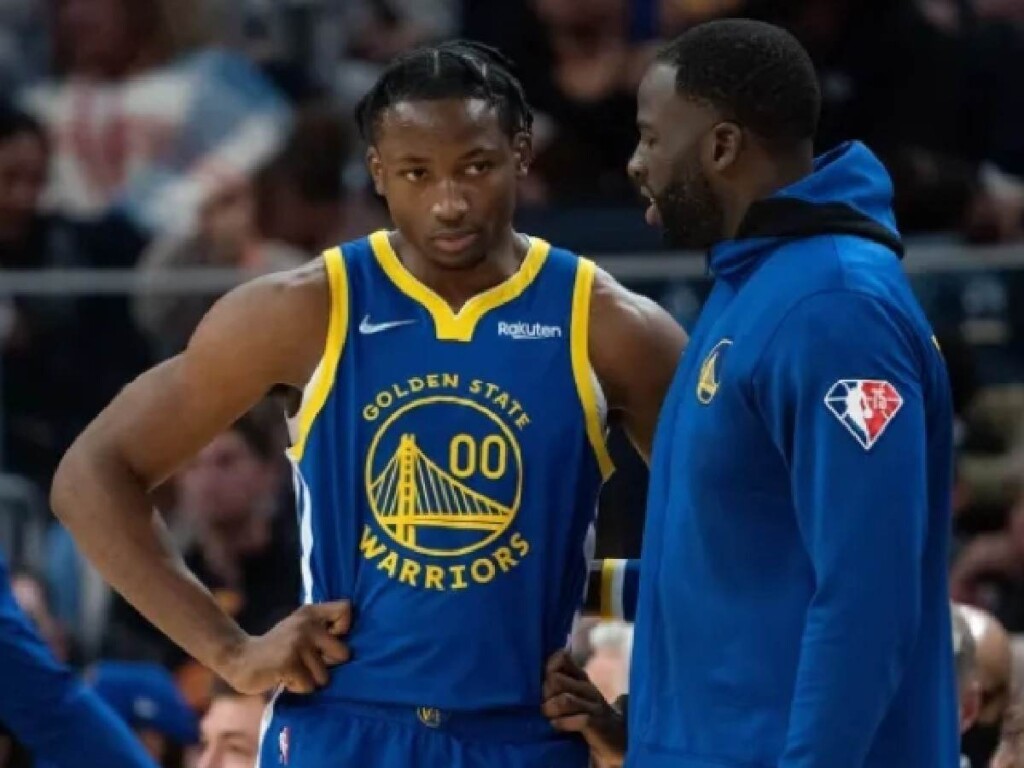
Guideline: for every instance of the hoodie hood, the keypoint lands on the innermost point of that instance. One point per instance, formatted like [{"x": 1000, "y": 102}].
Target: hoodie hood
[{"x": 849, "y": 192}]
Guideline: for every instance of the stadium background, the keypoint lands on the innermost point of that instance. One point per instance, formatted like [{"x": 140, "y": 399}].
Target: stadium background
[{"x": 193, "y": 143}]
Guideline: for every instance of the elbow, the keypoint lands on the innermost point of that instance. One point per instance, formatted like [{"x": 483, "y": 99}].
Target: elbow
[
  {"x": 94, "y": 478},
  {"x": 905, "y": 615},
  {"x": 69, "y": 476},
  {"x": 884, "y": 606},
  {"x": 84, "y": 469},
  {"x": 897, "y": 620}
]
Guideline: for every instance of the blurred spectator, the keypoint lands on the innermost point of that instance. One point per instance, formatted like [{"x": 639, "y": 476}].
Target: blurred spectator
[
  {"x": 378, "y": 30},
  {"x": 608, "y": 666},
  {"x": 962, "y": 369},
  {"x": 989, "y": 571},
  {"x": 244, "y": 547},
  {"x": 288, "y": 42},
  {"x": 301, "y": 192},
  {"x": 24, "y": 154},
  {"x": 1010, "y": 753},
  {"x": 580, "y": 62},
  {"x": 992, "y": 462},
  {"x": 145, "y": 123},
  {"x": 676, "y": 16},
  {"x": 231, "y": 729},
  {"x": 930, "y": 88},
  {"x": 31, "y": 595},
  {"x": 512, "y": 26},
  {"x": 1005, "y": 10},
  {"x": 24, "y": 44},
  {"x": 290, "y": 213},
  {"x": 38, "y": 378},
  {"x": 227, "y": 238},
  {"x": 583, "y": 83},
  {"x": 966, "y": 659},
  {"x": 23, "y": 158},
  {"x": 995, "y": 680},
  {"x": 145, "y": 697},
  {"x": 995, "y": 212},
  {"x": 81, "y": 599},
  {"x": 383, "y": 29}
]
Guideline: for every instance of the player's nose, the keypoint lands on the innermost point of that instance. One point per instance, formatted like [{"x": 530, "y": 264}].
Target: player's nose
[{"x": 450, "y": 205}]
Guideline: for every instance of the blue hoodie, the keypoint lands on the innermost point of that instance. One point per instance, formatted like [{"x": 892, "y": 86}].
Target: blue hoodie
[
  {"x": 793, "y": 608},
  {"x": 48, "y": 709}
]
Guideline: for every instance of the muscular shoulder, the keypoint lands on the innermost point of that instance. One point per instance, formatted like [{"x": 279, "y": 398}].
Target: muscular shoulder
[
  {"x": 616, "y": 309},
  {"x": 287, "y": 313},
  {"x": 632, "y": 339}
]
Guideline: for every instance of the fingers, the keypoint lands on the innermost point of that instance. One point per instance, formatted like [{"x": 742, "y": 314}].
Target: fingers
[
  {"x": 328, "y": 622},
  {"x": 297, "y": 680},
  {"x": 558, "y": 683},
  {"x": 571, "y": 724},
  {"x": 312, "y": 635},
  {"x": 336, "y": 616},
  {"x": 314, "y": 665},
  {"x": 562, "y": 662},
  {"x": 332, "y": 650},
  {"x": 556, "y": 661},
  {"x": 566, "y": 705},
  {"x": 340, "y": 626}
]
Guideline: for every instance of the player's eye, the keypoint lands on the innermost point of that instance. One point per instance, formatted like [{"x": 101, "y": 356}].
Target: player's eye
[
  {"x": 414, "y": 174},
  {"x": 479, "y": 168}
]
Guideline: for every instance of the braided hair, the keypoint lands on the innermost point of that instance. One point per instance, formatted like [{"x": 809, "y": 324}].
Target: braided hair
[{"x": 459, "y": 69}]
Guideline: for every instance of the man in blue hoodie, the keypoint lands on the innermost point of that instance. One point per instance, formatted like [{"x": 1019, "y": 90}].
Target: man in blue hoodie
[
  {"x": 48, "y": 709},
  {"x": 793, "y": 608}
]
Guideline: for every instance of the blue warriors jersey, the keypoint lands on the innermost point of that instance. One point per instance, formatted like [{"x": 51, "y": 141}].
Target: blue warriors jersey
[{"x": 447, "y": 469}]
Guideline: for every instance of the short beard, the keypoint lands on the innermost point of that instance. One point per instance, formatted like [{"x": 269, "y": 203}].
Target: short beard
[{"x": 691, "y": 216}]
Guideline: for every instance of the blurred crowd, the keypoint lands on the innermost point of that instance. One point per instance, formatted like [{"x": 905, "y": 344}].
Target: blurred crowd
[{"x": 157, "y": 135}]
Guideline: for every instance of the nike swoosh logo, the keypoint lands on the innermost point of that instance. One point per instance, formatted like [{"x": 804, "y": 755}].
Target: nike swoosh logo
[{"x": 367, "y": 328}]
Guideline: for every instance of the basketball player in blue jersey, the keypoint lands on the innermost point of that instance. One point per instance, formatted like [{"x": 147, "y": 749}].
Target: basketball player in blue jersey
[{"x": 454, "y": 381}]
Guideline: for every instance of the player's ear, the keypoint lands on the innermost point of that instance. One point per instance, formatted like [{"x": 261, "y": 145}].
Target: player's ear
[
  {"x": 376, "y": 169},
  {"x": 723, "y": 145},
  {"x": 522, "y": 151}
]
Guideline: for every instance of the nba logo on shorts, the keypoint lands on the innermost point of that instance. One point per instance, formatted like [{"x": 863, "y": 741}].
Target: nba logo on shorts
[
  {"x": 283, "y": 745},
  {"x": 864, "y": 406}
]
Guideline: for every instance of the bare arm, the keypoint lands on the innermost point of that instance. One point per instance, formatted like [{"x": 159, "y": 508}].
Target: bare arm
[
  {"x": 270, "y": 331},
  {"x": 635, "y": 346}
]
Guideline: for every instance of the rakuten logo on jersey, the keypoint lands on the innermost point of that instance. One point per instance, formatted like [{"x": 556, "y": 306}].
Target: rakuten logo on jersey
[{"x": 528, "y": 331}]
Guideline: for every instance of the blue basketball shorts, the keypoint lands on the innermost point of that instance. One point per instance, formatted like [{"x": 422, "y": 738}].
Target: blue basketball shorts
[{"x": 316, "y": 732}]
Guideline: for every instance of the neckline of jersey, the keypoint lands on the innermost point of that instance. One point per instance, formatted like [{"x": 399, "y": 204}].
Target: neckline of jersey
[{"x": 450, "y": 325}]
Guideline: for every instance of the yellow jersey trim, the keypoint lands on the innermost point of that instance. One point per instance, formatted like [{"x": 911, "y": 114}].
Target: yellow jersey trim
[
  {"x": 319, "y": 387},
  {"x": 607, "y": 598},
  {"x": 450, "y": 325},
  {"x": 583, "y": 374}
]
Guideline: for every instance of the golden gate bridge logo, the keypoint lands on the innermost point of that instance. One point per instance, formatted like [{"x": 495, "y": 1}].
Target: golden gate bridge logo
[{"x": 413, "y": 496}]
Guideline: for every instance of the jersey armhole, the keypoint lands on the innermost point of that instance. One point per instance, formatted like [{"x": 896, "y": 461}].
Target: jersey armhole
[
  {"x": 316, "y": 391},
  {"x": 587, "y": 384}
]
